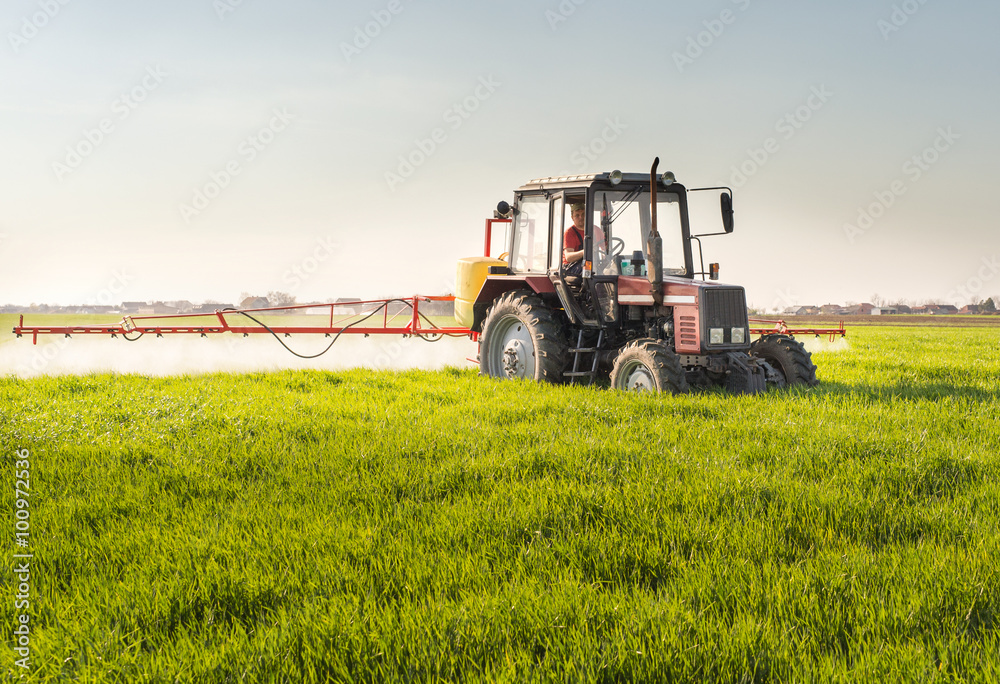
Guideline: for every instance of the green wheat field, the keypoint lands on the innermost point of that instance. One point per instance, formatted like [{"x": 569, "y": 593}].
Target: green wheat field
[{"x": 415, "y": 526}]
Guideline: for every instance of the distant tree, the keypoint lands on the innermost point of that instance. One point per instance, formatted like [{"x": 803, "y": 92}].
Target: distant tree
[
  {"x": 280, "y": 299},
  {"x": 876, "y": 300},
  {"x": 990, "y": 305}
]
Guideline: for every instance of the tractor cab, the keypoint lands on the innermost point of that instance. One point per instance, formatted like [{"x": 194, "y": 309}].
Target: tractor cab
[
  {"x": 590, "y": 235},
  {"x": 612, "y": 230},
  {"x": 586, "y": 240}
]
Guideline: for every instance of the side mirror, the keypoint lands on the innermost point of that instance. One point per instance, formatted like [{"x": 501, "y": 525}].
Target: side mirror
[{"x": 727, "y": 212}]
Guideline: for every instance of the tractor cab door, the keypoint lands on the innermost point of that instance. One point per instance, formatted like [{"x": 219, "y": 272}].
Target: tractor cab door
[
  {"x": 574, "y": 287},
  {"x": 557, "y": 269},
  {"x": 606, "y": 248}
]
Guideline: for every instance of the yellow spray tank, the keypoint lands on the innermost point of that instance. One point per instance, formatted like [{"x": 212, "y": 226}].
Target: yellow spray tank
[{"x": 472, "y": 272}]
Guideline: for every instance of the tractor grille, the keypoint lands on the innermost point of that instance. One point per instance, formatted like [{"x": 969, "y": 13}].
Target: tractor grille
[{"x": 726, "y": 308}]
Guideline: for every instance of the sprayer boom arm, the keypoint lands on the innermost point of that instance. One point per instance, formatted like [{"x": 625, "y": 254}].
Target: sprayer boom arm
[{"x": 371, "y": 317}]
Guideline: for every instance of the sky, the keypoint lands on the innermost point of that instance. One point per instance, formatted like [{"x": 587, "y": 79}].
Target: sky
[{"x": 200, "y": 149}]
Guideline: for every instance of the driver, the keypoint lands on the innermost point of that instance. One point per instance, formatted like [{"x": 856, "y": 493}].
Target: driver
[{"x": 573, "y": 240}]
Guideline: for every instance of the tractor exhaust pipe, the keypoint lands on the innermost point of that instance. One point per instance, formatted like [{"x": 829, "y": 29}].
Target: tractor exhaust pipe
[{"x": 654, "y": 246}]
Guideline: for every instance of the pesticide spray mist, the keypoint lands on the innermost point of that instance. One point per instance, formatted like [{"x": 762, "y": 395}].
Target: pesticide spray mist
[
  {"x": 815, "y": 345},
  {"x": 227, "y": 353}
]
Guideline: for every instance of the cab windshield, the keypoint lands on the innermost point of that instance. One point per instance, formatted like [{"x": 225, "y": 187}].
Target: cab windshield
[{"x": 623, "y": 216}]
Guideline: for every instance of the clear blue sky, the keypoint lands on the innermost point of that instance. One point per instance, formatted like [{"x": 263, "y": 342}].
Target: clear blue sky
[{"x": 314, "y": 118}]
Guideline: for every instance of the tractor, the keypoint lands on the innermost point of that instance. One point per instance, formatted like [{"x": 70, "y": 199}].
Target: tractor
[{"x": 599, "y": 284}]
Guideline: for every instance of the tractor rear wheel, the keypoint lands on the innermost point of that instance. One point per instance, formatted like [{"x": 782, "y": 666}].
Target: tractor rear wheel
[
  {"x": 648, "y": 366},
  {"x": 522, "y": 338},
  {"x": 791, "y": 362}
]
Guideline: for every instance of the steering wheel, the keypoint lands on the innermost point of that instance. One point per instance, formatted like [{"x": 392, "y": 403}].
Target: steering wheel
[{"x": 617, "y": 247}]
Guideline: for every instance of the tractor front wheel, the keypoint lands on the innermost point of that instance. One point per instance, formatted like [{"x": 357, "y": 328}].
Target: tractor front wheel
[
  {"x": 648, "y": 366},
  {"x": 522, "y": 338},
  {"x": 791, "y": 362}
]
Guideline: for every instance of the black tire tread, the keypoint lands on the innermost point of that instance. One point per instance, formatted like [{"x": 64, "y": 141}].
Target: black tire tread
[
  {"x": 794, "y": 361},
  {"x": 545, "y": 328},
  {"x": 657, "y": 357}
]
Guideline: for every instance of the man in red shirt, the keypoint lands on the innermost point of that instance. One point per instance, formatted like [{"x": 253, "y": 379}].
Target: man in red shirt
[{"x": 573, "y": 240}]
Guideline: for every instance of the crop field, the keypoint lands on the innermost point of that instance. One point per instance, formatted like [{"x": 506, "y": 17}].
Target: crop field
[{"x": 376, "y": 526}]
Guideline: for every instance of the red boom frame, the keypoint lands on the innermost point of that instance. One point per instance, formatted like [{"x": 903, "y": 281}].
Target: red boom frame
[{"x": 409, "y": 321}]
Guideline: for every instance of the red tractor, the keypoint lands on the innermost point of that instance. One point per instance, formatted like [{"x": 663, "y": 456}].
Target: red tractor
[{"x": 600, "y": 281}]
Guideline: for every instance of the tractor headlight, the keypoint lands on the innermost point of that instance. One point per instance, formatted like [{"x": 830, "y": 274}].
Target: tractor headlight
[
  {"x": 717, "y": 336},
  {"x": 668, "y": 178},
  {"x": 615, "y": 177},
  {"x": 739, "y": 335}
]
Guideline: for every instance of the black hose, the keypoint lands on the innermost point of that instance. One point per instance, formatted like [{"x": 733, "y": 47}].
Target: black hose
[{"x": 337, "y": 337}]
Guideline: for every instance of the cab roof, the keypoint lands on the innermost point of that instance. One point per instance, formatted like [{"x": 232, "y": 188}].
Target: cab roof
[{"x": 580, "y": 181}]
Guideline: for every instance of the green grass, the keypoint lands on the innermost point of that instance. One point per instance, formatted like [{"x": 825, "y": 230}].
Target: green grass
[{"x": 359, "y": 526}]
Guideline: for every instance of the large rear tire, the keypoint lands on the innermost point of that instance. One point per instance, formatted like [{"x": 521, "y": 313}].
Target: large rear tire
[
  {"x": 791, "y": 362},
  {"x": 648, "y": 366},
  {"x": 522, "y": 339}
]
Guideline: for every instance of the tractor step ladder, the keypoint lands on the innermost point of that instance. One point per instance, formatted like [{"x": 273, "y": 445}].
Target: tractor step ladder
[{"x": 591, "y": 374}]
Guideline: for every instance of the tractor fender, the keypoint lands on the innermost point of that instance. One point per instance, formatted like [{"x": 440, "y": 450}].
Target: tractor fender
[{"x": 497, "y": 285}]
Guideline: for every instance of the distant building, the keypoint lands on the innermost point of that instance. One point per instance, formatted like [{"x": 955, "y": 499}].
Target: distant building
[
  {"x": 182, "y": 306},
  {"x": 807, "y": 311},
  {"x": 133, "y": 307},
  {"x": 163, "y": 309},
  {"x": 344, "y": 306},
  {"x": 255, "y": 303},
  {"x": 859, "y": 310},
  {"x": 936, "y": 310}
]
